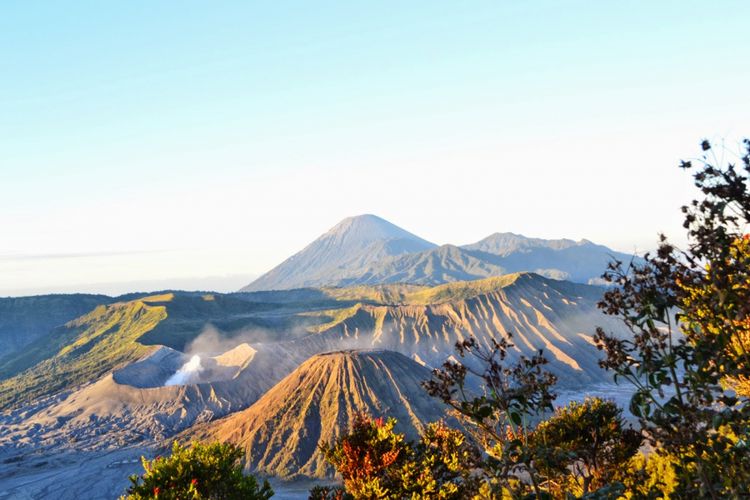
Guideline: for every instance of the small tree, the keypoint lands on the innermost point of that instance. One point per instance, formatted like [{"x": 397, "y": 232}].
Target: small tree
[
  {"x": 197, "y": 472},
  {"x": 595, "y": 442},
  {"x": 501, "y": 419},
  {"x": 369, "y": 458},
  {"x": 443, "y": 466}
]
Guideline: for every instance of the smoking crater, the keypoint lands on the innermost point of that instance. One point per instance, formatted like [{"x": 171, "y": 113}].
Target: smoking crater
[{"x": 188, "y": 373}]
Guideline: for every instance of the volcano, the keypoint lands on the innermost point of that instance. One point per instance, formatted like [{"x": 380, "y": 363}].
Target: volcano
[{"x": 281, "y": 432}]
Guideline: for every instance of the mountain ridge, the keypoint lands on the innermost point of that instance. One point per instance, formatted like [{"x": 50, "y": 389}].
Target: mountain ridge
[{"x": 504, "y": 243}]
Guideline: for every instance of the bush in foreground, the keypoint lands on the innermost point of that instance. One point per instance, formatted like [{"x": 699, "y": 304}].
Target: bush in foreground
[
  {"x": 591, "y": 444},
  {"x": 583, "y": 451},
  {"x": 197, "y": 472},
  {"x": 376, "y": 462}
]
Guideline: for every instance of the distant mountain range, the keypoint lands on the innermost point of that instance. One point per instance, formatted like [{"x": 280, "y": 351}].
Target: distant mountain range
[{"x": 368, "y": 250}]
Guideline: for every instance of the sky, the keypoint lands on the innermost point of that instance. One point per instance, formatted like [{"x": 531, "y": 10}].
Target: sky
[{"x": 182, "y": 144}]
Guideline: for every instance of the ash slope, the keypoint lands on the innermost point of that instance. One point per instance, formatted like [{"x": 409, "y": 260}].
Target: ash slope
[
  {"x": 129, "y": 406},
  {"x": 367, "y": 250},
  {"x": 424, "y": 323},
  {"x": 281, "y": 432}
]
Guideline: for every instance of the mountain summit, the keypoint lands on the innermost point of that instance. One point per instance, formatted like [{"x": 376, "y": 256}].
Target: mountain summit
[
  {"x": 354, "y": 243},
  {"x": 368, "y": 227}
]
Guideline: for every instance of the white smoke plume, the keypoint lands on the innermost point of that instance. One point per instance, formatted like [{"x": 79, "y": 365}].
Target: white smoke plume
[
  {"x": 211, "y": 342},
  {"x": 188, "y": 373}
]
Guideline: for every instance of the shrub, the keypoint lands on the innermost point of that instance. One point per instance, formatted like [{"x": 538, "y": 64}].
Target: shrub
[
  {"x": 376, "y": 462},
  {"x": 501, "y": 419},
  {"x": 197, "y": 472},
  {"x": 591, "y": 444}
]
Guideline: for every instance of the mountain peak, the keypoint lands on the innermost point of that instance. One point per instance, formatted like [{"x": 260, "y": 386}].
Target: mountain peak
[
  {"x": 367, "y": 249},
  {"x": 353, "y": 243},
  {"x": 362, "y": 219},
  {"x": 504, "y": 244},
  {"x": 367, "y": 228}
]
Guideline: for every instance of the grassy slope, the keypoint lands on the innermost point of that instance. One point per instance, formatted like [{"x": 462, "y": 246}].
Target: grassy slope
[
  {"x": 419, "y": 294},
  {"x": 83, "y": 350}
]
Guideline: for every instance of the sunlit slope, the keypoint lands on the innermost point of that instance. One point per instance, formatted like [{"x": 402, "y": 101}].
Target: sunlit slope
[
  {"x": 540, "y": 313},
  {"x": 280, "y": 433},
  {"x": 83, "y": 350},
  {"x": 424, "y": 323}
]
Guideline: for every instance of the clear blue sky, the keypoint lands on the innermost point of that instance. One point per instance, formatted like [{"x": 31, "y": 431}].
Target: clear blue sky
[{"x": 170, "y": 141}]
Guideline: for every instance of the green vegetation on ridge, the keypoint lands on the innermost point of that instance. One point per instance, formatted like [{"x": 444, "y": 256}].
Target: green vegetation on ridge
[
  {"x": 83, "y": 351},
  {"x": 421, "y": 294},
  {"x": 26, "y": 319}
]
